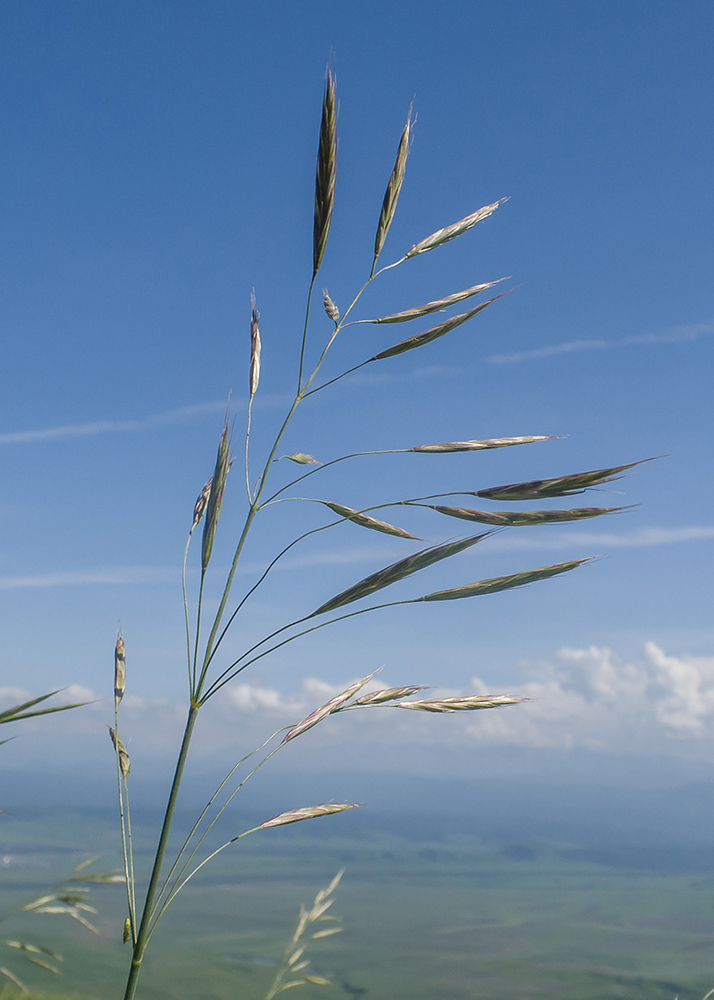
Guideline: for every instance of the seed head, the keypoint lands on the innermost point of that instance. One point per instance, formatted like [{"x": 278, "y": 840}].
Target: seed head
[
  {"x": 391, "y": 195},
  {"x": 449, "y": 446},
  {"x": 420, "y": 339},
  {"x": 398, "y": 571},
  {"x": 451, "y": 232},
  {"x": 330, "y": 308},
  {"x": 300, "y": 458},
  {"x": 326, "y": 173},
  {"x": 368, "y": 522},
  {"x": 388, "y": 694},
  {"x": 461, "y": 704},
  {"x": 124, "y": 759},
  {"x": 119, "y": 669},
  {"x": 438, "y": 305},
  {"x": 215, "y": 496},
  {"x": 308, "y": 812},
  {"x": 333, "y": 705},
  {"x": 254, "y": 346},
  {"x": 201, "y": 503}
]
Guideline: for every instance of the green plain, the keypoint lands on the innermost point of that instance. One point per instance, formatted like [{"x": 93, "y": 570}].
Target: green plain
[{"x": 446, "y": 920}]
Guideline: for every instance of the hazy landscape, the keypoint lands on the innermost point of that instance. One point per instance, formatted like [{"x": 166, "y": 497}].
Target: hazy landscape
[
  {"x": 485, "y": 903},
  {"x": 540, "y": 822}
]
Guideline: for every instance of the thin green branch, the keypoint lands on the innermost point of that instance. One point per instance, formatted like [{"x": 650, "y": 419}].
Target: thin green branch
[
  {"x": 142, "y": 936},
  {"x": 204, "y": 811},
  {"x": 216, "y": 686},
  {"x": 176, "y": 888},
  {"x": 267, "y": 570},
  {"x": 185, "y": 608},
  {"x": 247, "y": 443},
  {"x": 339, "y": 326},
  {"x": 121, "y": 781},
  {"x": 337, "y": 378},
  {"x": 130, "y": 847},
  {"x": 304, "y": 333},
  {"x": 210, "y": 858},
  {"x": 193, "y": 688},
  {"x": 334, "y": 461}
]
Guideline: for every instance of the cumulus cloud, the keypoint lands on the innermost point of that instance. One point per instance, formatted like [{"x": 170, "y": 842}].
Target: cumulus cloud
[{"x": 590, "y": 698}]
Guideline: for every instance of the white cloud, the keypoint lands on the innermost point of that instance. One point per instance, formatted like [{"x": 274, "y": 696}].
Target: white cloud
[
  {"x": 658, "y": 705},
  {"x": 12, "y": 696},
  {"x": 677, "y": 334},
  {"x": 589, "y": 698}
]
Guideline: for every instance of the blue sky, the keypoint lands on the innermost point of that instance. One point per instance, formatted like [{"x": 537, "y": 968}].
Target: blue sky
[{"x": 157, "y": 163}]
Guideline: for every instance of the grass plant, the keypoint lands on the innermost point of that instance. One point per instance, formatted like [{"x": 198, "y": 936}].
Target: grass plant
[
  {"x": 209, "y": 668},
  {"x": 70, "y": 898}
]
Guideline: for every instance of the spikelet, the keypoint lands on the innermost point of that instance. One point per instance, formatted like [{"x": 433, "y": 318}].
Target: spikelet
[
  {"x": 127, "y": 931},
  {"x": 300, "y": 458},
  {"x": 254, "y": 346},
  {"x": 199, "y": 508},
  {"x": 563, "y": 486},
  {"x": 215, "y": 497},
  {"x": 398, "y": 571},
  {"x": 307, "y": 812},
  {"x": 442, "y": 236},
  {"x": 434, "y": 332},
  {"x": 437, "y": 305},
  {"x": 388, "y": 694},
  {"x": 326, "y": 173},
  {"x": 468, "y": 704},
  {"x": 391, "y": 195},
  {"x": 333, "y": 705},
  {"x": 119, "y": 669},
  {"x": 330, "y": 308},
  {"x": 368, "y": 522},
  {"x": 506, "y": 519},
  {"x": 124, "y": 759},
  {"x": 498, "y": 583},
  {"x": 450, "y": 446}
]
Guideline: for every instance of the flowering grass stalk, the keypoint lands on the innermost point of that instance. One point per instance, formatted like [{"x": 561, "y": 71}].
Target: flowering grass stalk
[{"x": 206, "y": 676}]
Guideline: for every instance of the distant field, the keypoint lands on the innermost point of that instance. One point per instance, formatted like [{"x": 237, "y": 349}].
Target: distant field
[{"x": 446, "y": 920}]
